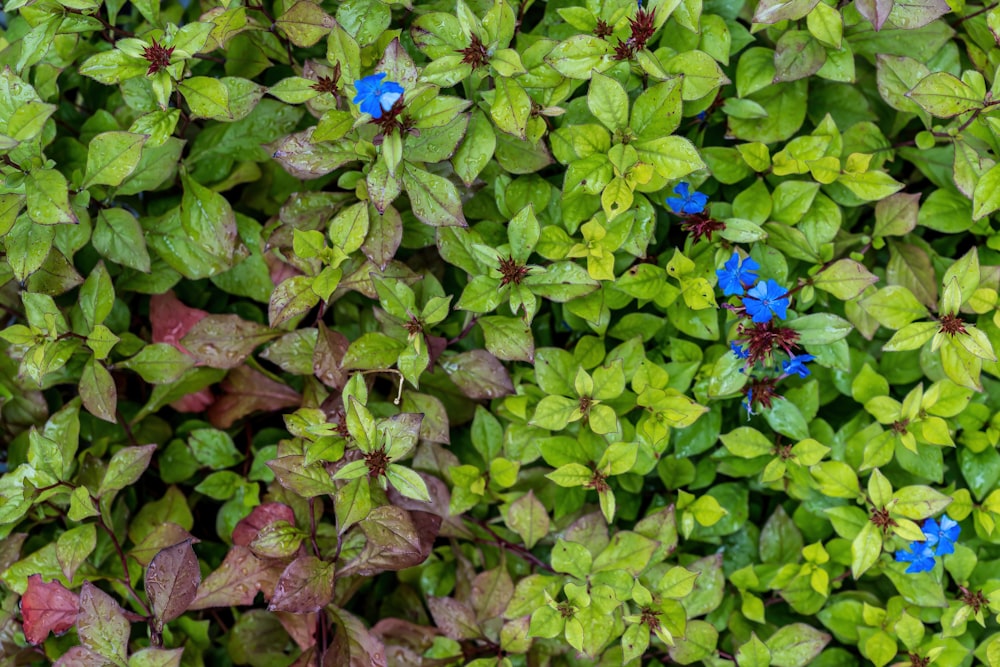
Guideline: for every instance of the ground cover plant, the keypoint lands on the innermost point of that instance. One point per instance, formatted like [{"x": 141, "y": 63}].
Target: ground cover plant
[{"x": 486, "y": 332}]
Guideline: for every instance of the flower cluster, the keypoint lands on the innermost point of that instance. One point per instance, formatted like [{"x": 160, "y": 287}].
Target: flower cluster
[
  {"x": 939, "y": 540},
  {"x": 691, "y": 206},
  {"x": 642, "y": 28},
  {"x": 763, "y": 302}
]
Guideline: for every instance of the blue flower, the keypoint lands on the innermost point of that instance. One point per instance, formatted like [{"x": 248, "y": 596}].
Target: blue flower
[
  {"x": 740, "y": 351},
  {"x": 687, "y": 203},
  {"x": 765, "y": 300},
  {"x": 920, "y": 557},
  {"x": 797, "y": 365},
  {"x": 748, "y": 404},
  {"x": 942, "y": 536},
  {"x": 733, "y": 275},
  {"x": 375, "y": 96}
]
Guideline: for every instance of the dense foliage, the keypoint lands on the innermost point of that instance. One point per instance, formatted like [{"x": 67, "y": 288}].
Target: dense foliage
[{"x": 496, "y": 333}]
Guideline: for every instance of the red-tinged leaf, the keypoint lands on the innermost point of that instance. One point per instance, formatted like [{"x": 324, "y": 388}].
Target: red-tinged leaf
[
  {"x": 404, "y": 642},
  {"x": 47, "y": 608},
  {"x": 225, "y": 341},
  {"x": 248, "y": 391},
  {"x": 237, "y": 581},
  {"x": 396, "y": 539},
  {"x": 300, "y": 627},
  {"x": 478, "y": 374},
  {"x": 10, "y": 549},
  {"x": 328, "y": 357},
  {"x": 198, "y": 401},
  {"x": 455, "y": 619},
  {"x": 102, "y": 626},
  {"x": 353, "y": 644},
  {"x": 491, "y": 592},
  {"x": 171, "y": 319},
  {"x": 164, "y": 535},
  {"x": 305, "y": 586},
  {"x": 876, "y": 11},
  {"x": 172, "y": 582},
  {"x": 79, "y": 656},
  {"x": 307, "y": 659},
  {"x": 262, "y": 515}
]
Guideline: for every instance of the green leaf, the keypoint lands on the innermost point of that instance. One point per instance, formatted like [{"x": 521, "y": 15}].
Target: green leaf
[
  {"x": 865, "y": 549},
  {"x": 608, "y": 101},
  {"x": 125, "y": 467},
  {"x": 118, "y": 237},
  {"x": 112, "y": 157},
  {"x": 796, "y": 645},
  {"x": 48, "y": 198},
  {"x": 434, "y": 199},
  {"x": 527, "y": 517},
  {"x": 510, "y": 107},
  {"x": 945, "y": 95},
  {"x": 919, "y": 502},
  {"x": 845, "y": 279},
  {"x": 408, "y": 483},
  {"x": 753, "y": 653}
]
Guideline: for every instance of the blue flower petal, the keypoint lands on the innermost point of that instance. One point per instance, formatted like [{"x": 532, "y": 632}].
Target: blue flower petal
[{"x": 375, "y": 95}]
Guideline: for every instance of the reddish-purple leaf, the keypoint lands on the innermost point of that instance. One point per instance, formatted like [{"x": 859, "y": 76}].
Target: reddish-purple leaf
[
  {"x": 876, "y": 11},
  {"x": 171, "y": 319},
  {"x": 172, "y": 582},
  {"x": 491, "y": 592},
  {"x": 300, "y": 627},
  {"x": 305, "y": 586},
  {"x": 478, "y": 374},
  {"x": 225, "y": 341},
  {"x": 455, "y": 619},
  {"x": 79, "y": 656},
  {"x": 353, "y": 644},
  {"x": 328, "y": 356},
  {"x": 262, "y": 515},
  {"x": 47, "y": 607},
  {"x": 396, "y": 539},
  {"x": 10, "y": 549},
  {"x": 246, "y": 391},
  {"x": 404, "y": 642},
  {"x": 101, "y": 625},
  {"x": 237, "y": 581}
]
